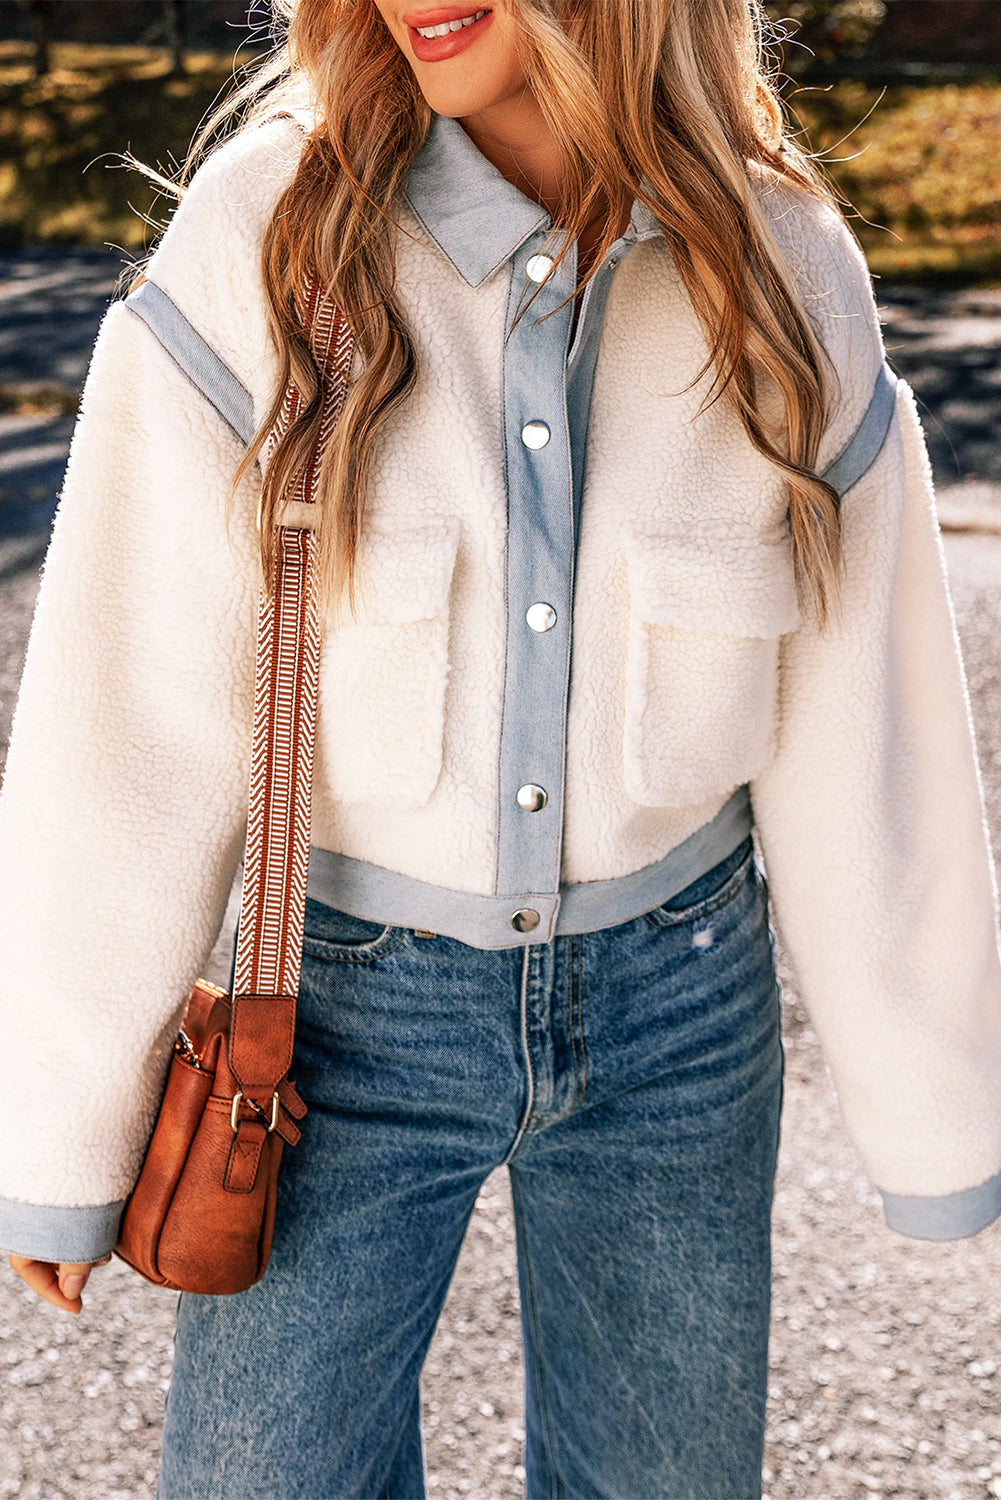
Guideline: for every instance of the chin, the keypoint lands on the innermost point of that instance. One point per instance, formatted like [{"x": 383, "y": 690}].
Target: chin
[{"x": 457, "y": 101}]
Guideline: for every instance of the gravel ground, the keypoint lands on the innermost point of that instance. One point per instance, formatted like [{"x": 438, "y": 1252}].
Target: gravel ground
[{"x": 885, "y": 1351}]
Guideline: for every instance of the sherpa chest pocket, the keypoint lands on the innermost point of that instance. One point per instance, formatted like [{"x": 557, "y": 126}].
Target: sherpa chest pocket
[
  {"x": 706, "y": 614},
  {"x": 383, "y": 669}
]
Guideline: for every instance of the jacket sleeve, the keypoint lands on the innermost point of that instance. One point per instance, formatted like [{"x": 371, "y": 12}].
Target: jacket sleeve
[
  {"x": 872, "y": 826},
  {"x": 124, "y": 801}
]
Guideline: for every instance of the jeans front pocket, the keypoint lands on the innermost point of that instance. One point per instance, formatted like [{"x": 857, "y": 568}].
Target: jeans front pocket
[
  {"x": 384, "y": 667},
  {"x": 338, "y": 937},
  {"x": 710, "y": 892},
  {"x": 706, "y": 615}
]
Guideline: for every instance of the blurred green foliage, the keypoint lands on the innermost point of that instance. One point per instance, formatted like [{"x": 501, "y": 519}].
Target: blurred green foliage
[
  {"x": 62, "y": 180},
  {"x": 911, "y": 163},
  {"x": 910, "y": 159},
  {"x": 825, "y": 29}
]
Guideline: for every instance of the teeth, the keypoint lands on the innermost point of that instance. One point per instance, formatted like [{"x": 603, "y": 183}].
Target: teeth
[{"x": 449, "y": 26}]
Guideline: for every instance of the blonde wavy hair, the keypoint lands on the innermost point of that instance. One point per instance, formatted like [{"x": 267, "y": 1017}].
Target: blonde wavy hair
[{"x": 667, "y": 101}]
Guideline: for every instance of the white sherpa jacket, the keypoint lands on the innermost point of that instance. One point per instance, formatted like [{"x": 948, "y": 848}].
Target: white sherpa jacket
[{"x": 693, "y": 672}]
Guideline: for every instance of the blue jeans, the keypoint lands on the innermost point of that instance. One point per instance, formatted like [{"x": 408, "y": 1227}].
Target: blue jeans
[{"x": 631, "y": 1081}]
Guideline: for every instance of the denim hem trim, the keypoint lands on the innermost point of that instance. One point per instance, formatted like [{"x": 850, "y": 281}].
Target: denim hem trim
[
  {"x": 954, "y": 1216},
  {"x": 195, "y": 358},
  {"x": 376, "y": 894},
  {"x": 46, "y": 1231},
  {"x": 866, "y": 443}
]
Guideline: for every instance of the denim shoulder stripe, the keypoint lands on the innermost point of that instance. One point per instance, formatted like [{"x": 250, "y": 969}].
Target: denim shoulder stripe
[
  {"x": 863, "y": 448},
  {"x": 206, "y": 370}
]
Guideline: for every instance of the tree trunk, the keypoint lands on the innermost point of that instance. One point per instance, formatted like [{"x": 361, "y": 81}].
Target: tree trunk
[
  {"x": 40, "y": 12},
  {"x": 176, "y": 18}
]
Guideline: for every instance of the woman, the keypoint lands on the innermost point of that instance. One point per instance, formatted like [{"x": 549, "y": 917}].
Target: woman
[{"x": 611, "y": 336}]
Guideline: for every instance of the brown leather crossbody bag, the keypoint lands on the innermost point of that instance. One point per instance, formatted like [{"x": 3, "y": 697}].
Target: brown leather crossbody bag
[{"x": 201, "y": 1215}]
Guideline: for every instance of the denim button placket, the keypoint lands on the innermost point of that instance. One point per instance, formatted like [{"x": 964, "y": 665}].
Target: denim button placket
[{"x": 540, "y": 573}]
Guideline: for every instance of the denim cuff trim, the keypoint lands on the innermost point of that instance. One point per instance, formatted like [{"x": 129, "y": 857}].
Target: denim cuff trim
[
  {"x": 45, "y": 1231},
  {"x": 954, "y": 1216}
]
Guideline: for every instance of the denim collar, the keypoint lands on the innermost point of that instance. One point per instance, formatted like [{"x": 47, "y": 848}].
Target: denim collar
[{"x": 475, "y": 216}]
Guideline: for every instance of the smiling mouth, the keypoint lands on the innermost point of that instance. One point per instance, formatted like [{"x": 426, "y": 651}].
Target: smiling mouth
[
  {"x": 440, "y": 32},
  {"x": 443, "y": 30}
]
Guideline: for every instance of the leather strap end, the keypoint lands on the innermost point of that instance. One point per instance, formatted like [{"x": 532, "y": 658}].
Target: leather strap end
[
  {"x": 261, "y": 1040},
  {"x": 290, "y": 1100},
  {"x": 244, "y": 1156}
]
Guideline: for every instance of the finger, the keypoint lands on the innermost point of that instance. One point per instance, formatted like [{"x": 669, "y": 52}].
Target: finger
[
  {"x": 73, "y": 1279},
  {"x": 43, "y": 1279}
]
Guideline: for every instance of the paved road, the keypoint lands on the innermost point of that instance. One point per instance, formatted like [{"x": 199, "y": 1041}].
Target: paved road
[
  {"x": 885, "y": 1355},
  {"x": 51, "y": 302}
]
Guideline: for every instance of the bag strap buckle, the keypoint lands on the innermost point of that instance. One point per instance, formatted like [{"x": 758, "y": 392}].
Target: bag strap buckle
[{"x": 238, "y": 1099}]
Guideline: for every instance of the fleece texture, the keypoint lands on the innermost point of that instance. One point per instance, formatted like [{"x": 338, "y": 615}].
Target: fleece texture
[{"x": 694, "y": 670}]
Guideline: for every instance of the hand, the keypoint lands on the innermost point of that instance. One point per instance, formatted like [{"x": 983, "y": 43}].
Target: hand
[{"x": 59, "y": 1284}]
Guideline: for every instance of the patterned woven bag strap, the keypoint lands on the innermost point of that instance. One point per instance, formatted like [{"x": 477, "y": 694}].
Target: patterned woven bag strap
[{"x": 272, "y": 909}]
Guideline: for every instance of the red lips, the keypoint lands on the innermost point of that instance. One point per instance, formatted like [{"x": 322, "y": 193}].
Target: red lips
[{"x": 438, "y": 48}]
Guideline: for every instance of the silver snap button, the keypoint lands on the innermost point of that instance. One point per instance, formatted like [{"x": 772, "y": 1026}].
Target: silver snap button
[
  {"x": 539, "y": 267},
  {"x": 525, "y": 920},
  {"x": 535, "y": 435},
  {"x": 540, "y": 617},
  {"x": 532, "y": 798}
]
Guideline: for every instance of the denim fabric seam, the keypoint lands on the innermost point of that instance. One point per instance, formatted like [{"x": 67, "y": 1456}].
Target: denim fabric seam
[
  {"x": 727, "y": 892},
  {"x": 526, "y": 1053},
  {"x": 571, "y": 981},
  {"x": 540, "y": 1120},
  {"x": 533, "y": 1314},
  {"x": 362, "y": 953},
  {"x": 505, "y": 663},
  {"x": 580, "y": 1011}
]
